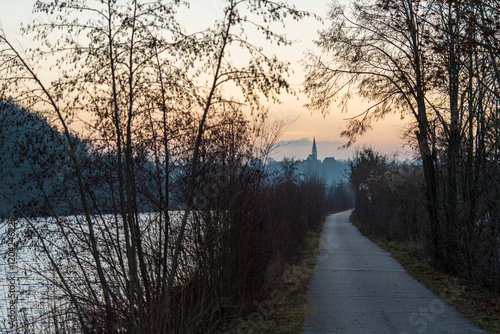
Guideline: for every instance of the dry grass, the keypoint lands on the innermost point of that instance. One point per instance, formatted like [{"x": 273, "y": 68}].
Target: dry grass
[
  {"x": 478, "y": 305},
  {"x": 283, "y": 309}
]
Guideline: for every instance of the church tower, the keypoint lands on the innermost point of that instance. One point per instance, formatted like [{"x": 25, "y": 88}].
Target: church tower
[
  {"x": 313, "y": 157},
  {"x": 314, "y": 150}
]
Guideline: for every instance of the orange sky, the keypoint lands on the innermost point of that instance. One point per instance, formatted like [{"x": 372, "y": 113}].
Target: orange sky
[{"x": 386, "y": 135}]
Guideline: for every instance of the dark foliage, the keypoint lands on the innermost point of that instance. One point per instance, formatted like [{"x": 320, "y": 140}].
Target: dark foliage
[{"x": 391, "y": 203}]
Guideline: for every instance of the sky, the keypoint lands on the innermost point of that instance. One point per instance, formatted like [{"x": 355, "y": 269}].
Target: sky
[{"x": 304, "y": 124}]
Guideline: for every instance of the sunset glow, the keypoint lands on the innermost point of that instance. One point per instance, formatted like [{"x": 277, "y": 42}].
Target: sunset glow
[{"x": 304, "y": 124}]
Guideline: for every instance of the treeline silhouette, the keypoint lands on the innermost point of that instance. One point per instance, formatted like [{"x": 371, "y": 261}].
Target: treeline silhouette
[
  {"x": 245, "y": 225},
  {"x": 390, "y": 203},
  {"x": 171, "y": 120},
  {"x": 434, "y": 63}
]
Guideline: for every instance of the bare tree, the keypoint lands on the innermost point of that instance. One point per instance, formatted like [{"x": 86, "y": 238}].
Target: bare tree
[
  {"x": 434, "y": 61},
  {"x": 141, "y": 81},
  {"x": 382, "y": 51}
]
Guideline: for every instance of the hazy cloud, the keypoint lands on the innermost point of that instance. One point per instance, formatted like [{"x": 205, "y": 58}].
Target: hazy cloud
[{"x": 301, "y": 148}]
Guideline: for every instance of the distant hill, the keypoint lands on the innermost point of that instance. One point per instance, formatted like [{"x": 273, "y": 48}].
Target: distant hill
[
  {"x": 37, "y": 176},
  {"x": 35, "y": 168}
]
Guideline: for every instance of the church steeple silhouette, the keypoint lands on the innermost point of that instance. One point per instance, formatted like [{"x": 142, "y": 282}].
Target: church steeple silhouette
[
  {"x": 314, "y": 150},
  {"x": 313, "y": 157}
]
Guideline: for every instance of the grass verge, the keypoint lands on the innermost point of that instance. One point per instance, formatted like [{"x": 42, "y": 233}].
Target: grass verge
[
  {"x": 283, "y": 310},
  {"x": 478, "y": 305}
]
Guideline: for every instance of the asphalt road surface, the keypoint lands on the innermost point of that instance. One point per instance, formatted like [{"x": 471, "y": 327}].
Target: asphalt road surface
[{"x": 358, "y": 288}]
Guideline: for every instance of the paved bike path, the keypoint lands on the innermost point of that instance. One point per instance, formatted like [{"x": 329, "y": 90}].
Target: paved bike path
[{"x": 359, "y": 288}]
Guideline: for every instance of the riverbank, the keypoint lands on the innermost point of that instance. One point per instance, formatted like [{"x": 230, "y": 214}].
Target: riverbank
[{"x": 285, "y": 305}]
